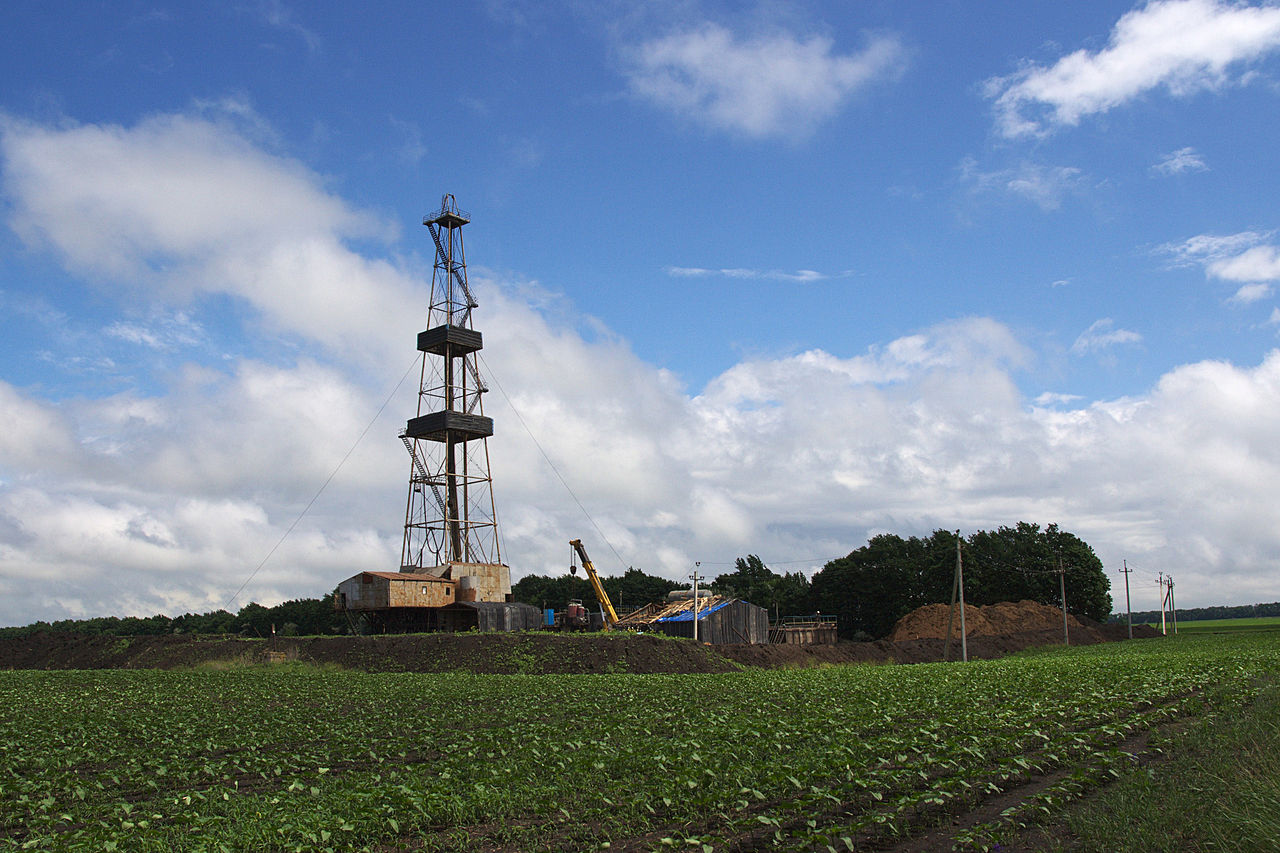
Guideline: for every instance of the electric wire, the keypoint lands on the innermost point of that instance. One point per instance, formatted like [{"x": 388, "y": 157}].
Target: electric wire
[
  {"x": 489, "y": 372},
  {"x": 323, "y": 485}
]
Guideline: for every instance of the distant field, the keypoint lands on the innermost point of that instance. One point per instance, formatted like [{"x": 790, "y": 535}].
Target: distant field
[{"x": 1219, "y": 626}]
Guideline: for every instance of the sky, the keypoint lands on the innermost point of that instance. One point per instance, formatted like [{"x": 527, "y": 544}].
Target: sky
[{"x": 754, "y": 278}]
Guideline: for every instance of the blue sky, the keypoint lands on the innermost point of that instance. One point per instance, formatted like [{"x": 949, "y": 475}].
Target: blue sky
[{"x": 765, "y": 278}]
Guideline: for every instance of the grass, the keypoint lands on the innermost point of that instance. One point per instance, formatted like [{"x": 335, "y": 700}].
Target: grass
[
  {"x": 1219, "y": 790},
  {"x": 1219, "y": 626}
]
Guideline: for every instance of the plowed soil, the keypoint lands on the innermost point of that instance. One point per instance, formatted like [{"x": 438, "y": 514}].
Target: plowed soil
[{"x": 992, "y": 632}]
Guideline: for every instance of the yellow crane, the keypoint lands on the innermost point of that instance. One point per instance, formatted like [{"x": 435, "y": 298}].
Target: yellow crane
[{"x": 610, "y": 617}]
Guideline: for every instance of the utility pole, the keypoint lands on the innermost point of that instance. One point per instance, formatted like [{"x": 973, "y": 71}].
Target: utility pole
[
  {"x": 1062, "y": 588},
  {"x": 1173, "y": 609},
  {"x": 1160, "y": 580},
  {"x": 957, "y": 586},
  {"x": 1128, "y": 609},
  {"x": 696, "y": 577}
]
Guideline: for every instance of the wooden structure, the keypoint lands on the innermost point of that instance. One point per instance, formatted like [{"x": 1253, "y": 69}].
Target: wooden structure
[
  {"x": 391, "y": 602},
  {"x": 804, "y": 631},
  {"x": 369, "y": 591},
  {"x": 720, "y": 620}
]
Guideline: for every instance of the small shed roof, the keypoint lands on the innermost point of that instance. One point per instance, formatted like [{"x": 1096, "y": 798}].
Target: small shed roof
[
  {"x": 676, "y": 611},
  {"x": 702, "y": 612}
]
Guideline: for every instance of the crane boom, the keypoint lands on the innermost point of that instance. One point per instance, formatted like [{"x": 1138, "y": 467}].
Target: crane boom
[{"x": 610, "y": 617}]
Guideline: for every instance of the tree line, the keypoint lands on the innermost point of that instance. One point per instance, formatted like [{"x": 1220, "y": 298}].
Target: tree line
[
  {"x": 884, "y": 580},
  {"x": 301, "y": 616},
  {"x": 867, "y": 591},
  {"x": 871, "y": 588},
  {"x": 1193, "y": 614}
]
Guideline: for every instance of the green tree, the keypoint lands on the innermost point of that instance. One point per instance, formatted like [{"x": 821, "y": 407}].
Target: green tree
[
  {"x": 253, "y": 620},
  {"x": 753, "y": 581},
  {"x": 543, "y": 591},
  {"x": 1021, "y": 562},
  {"x": 887, "y": 578},
  {"x": 632, "y": 589},
  {"x": 874, "y": 586},
  {"x": 635, "y": 588}
]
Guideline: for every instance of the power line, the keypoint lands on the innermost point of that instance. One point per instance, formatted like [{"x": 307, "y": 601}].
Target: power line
[
  {"x": 494, "y": 377},
  {"x": 323, "y": 485}
]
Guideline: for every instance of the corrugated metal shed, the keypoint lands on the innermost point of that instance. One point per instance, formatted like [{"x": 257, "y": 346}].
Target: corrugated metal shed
[{"x": 490, "y": 616}]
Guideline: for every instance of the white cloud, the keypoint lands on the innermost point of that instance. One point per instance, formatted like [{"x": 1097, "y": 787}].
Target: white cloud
[
  {"x": 1045, "y": 186},
  {"x": 276, "y": 14},
  {"x": 1243, "y": 258},
  {"x": 1210, "y": 248},
  {"x": 1052, "y": 398},
  {"x": 1260, "y": 263},
  {"x": 1102, "y": 335},
  {"x": 1184, "y": 46},
  {"x": 177, "y": 498},
  {"x": 740, "y": 273},
  {"x": 178, "y": 206},
  {"x": 164, "y": 331},
  {"x": 167, "y": 500},
  {"x": 1182, "y": 160},
  {"x": 1251, "y": 293},
  {"x": 771, "y": 85}
]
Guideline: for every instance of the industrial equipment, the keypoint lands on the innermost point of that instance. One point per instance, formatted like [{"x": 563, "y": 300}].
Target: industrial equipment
[
  {"x": 606, "y": 606},
  {"x": 451, "y": 575},
  {"x": 574, "y": 617}
]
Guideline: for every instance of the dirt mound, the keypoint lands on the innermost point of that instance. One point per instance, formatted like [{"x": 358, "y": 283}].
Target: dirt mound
[
  {"x": 993, "y": 620},
  {"x": 529, "y": 653},
  {"x": 534, "y": 653}
]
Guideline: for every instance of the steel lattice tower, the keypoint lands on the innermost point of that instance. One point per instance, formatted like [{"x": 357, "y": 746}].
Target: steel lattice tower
[{"x": 450, "y": 515}]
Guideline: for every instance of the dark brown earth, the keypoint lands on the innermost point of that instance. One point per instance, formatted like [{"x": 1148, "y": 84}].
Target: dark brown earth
[{"x": 919, "y": 639}]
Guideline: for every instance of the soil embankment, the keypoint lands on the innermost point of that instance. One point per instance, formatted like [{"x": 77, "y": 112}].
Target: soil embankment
[{"x": 992, "y": 631}]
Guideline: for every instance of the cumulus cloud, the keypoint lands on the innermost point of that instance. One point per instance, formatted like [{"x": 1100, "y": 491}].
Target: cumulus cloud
[
  {"x": 1260, "y": 263},
  {"x": 769, "y": 85},
  {"x": 181, "y": 496},
  {"x": 1184, "y": 46},
  {"x": 167, "y": 500},
  {"x": 179, "y": 205},
  {"x": 1182, "y": 160}
]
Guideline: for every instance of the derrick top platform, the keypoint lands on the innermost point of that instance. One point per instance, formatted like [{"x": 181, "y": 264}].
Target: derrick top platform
[{"x": 448, "y": 216}]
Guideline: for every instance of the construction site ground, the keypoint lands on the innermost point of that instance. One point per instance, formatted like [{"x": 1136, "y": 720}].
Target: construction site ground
[{"x": 918, "y": 637}]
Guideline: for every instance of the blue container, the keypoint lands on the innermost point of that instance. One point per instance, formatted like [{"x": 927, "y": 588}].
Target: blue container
[{"x": 550, "y": 615}]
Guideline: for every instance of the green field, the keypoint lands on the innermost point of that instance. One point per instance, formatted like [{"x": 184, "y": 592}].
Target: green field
[
  {"x": 835, "y": 758},
  {"x": 1221, "y": 626}
]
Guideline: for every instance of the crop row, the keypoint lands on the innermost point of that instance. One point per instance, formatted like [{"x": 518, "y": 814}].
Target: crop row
[{"x": 295, "y": 759}]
